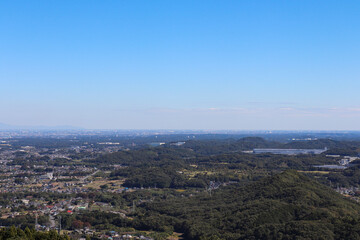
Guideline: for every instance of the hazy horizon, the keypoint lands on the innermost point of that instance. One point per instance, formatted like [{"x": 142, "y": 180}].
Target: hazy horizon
[
  {"x": 207, "y": 65},
  {"x": 5, "y": 127}
]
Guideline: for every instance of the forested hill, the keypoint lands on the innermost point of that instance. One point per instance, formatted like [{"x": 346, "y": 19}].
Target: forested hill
[
  {"x": 322, "y": 143},
  {"x": 210, "y": 147},
  {"x": 229, "y": 145},
  {"x": 283, "y": 206}
]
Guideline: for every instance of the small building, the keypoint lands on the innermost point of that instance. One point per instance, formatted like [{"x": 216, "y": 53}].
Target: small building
[{"x": 47, "y": 176}]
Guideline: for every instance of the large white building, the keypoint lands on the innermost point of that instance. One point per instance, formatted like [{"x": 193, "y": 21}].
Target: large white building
[{"x": 289, "y": 151}]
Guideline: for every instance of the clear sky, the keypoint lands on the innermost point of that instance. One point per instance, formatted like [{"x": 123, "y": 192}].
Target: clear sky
[{"x": 178, "y": 64}]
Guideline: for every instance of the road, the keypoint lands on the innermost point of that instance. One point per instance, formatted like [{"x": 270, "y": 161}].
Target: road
[{"x": 86, "y": 177}]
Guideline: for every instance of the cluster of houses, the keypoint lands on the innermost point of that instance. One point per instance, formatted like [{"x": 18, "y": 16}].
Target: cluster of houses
[{"x": 113, "y": 235}]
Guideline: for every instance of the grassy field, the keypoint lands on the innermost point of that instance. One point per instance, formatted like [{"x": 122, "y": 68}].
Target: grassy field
[
  {"x": 97, "y": 183},
  {"x": 314, "y": 172}
]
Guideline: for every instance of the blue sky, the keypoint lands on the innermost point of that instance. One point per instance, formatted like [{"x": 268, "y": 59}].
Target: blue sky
[{"x": 244, "y": 65}]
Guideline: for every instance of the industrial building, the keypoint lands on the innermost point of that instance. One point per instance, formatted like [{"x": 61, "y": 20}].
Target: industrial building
[{"x": 289, "y": 151}]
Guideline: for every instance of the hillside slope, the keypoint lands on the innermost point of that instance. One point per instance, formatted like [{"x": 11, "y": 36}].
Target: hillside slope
[{"x": 283, "y": 206}]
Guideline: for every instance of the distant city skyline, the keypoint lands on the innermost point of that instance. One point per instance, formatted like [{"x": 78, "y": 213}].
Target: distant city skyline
[{"x": 214, "y": 65}]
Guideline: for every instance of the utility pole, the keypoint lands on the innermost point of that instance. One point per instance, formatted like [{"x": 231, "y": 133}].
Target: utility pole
[
  {"x": 59, "y": 224},
  {"x": 36, "y": 221},
  {"x": 134, "y": 206},
  {"x": 210, "y": 188}
]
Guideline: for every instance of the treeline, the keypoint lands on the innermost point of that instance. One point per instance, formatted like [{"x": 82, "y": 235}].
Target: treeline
[
  {"x": 147, "y": 157},
  {"x": 167, "y": 177},
  {"x": 13, "y": 233},
  {"x": 263, "y": 161},
  {"x": 24, "y": 221}
]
